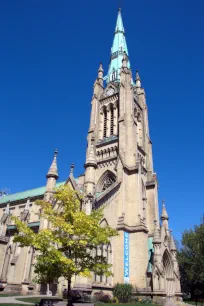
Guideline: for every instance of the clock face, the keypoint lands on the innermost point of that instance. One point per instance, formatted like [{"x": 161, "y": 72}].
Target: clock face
[{"x": 110, "y": 91}]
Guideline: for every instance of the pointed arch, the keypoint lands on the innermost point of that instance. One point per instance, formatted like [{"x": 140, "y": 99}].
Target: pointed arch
[
  {"x": 106, "y": 180},
  {"x": 104, "y": 223},
  {"x": 169, "y": 274},
  {"x": 6, "y": 263}
]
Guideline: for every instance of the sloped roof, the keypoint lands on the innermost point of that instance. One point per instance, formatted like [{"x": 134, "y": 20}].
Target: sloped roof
[{"x": 26, "y": 194}]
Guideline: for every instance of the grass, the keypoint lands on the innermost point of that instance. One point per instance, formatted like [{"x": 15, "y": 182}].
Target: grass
[
  {"x": 194, "y": 303},
  {"x": 26, "y": 299},
  {"x": 6, "y": 304},
  {"x": 35, "y": 299},
  {"x": 30, "y": 299},
  {"x": 8, "y": 294}
]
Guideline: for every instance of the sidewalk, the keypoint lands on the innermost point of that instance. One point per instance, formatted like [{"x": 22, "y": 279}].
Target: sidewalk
[{"x": 12, "y": 299}]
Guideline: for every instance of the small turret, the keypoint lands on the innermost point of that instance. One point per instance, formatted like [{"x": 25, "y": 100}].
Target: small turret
[
  {"x": 164, "y": 218},
  {"x": 71, "y": 169},
  {"x": 172, "y": 244},
  {"x": 53, "y": 172},
  {"x": 27, "y": 206},
  {"x": 164, "y": 215},
  {"x": 52, "y": 177},
  {"x": 91, "y": 158},
  {"x": 137, "y": 80},
  {"x": 7, "y": 210},
  {"x": 100, "y": 72},
  {"x": 89, "y": 181}
]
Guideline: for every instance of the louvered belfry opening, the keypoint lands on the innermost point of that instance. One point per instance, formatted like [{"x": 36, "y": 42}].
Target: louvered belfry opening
[
  {"x": 105, "y": 123},
  {"x": 112, "y": 120}
]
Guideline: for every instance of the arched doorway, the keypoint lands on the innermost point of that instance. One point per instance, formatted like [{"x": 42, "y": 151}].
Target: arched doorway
[{"x": 169, "y": 275}]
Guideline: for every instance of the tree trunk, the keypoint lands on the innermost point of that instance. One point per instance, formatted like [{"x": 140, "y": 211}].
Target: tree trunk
[
  {"x": 69, "y": 294},
  {"x": 49, "y": 293}
]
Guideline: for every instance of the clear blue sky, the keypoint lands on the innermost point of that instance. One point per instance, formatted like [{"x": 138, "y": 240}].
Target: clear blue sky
[{"x": 49, "y": 56}]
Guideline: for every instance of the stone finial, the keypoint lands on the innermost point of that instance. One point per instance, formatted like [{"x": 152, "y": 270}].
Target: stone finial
[
  {"x": 100, "y": 71},
  {"x": 72, "y": 169},
  {"x": 7, "y": 210},
  {"x": 172, "y": 244},
  {"x": 53, "y": 171},
  {"x": 125, "y": 60},
  {"x": 137, "y": 80},
  {"x": 157, "y": 236},
  {"x": 164, "y": 215},
  {"x": 27, "y": 206}
]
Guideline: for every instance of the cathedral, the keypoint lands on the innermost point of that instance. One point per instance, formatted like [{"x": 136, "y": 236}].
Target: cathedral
[{"x": 119, "y": 177}]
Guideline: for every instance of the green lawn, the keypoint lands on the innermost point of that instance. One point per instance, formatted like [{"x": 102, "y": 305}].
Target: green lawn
[
  {"x": 35, "y": 299},
  {"x": 2, "y": 304},
  {"x": 194, "y": 303},
  {"x": 30, "y": 299},
  {"x": 8, "y": 294}
]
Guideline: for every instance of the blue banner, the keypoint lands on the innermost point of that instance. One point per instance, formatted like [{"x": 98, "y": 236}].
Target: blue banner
[{"x": 126, "y": 258}]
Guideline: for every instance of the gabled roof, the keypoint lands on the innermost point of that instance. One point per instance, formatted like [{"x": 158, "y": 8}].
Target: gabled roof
[{"x": 26, "y": 194}]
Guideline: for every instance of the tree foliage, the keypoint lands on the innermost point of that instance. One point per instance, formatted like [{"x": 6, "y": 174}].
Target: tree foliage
[
  {"x": 191, "y": 259},
  {"x": 66, "y": 247}
]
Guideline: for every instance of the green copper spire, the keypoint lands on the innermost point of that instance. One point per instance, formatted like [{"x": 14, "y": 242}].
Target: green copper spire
[{"x": 118, "y": 48}]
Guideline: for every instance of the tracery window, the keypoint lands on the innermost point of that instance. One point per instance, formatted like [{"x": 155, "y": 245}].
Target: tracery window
[
  {"x": 107, "y": 179},
  {"x": 107, "y": 183},
  {"x": 104, "y": 250},
  {"x": 114, "y": 75}
]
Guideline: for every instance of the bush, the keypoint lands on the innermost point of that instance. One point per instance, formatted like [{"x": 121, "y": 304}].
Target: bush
[
  {"x": 146, "y": 300},
  {"x": 101, "y": 297},
  {"x": 123, "y": 292},
  {"x": 115, "y": 300}
]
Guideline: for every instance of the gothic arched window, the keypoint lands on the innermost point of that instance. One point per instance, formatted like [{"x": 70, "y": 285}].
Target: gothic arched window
[
  {"x": 106, "y": 180},
  {"x": 114, "y": 75}
]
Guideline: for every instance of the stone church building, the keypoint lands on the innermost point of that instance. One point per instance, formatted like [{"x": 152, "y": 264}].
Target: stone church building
[{"x": 119, "y": 177}]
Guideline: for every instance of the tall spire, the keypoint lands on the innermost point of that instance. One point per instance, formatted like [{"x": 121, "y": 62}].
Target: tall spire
[
  {"x": 53, "y": 172},
  {"x": 118, "y": 48}
]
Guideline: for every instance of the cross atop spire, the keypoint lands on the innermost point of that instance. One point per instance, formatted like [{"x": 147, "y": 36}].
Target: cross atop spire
[{"x": 118, "y": 48}]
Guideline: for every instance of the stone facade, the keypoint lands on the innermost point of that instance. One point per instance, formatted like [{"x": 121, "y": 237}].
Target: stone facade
[{"x": 119, "y": 177}]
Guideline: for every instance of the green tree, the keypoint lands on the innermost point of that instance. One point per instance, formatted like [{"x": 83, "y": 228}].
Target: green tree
[
  {"x": 191, "y": 260},
  {"x": 66, "y": 247},
  {"x": 46, "y": 271}
]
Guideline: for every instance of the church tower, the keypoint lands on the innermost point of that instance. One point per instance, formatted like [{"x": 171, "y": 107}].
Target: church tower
[
  {"x": 119, "y": 177},
  {"x": 119, "y": 174}
]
